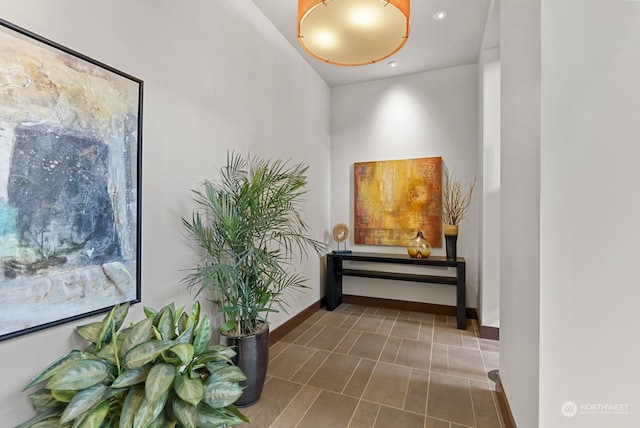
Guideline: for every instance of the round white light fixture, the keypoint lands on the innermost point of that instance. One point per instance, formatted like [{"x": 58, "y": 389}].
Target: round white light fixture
[{"x": 393, "y": 64}]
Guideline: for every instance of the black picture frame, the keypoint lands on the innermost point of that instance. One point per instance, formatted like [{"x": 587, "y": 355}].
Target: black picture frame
[{"x": 70, "y": 184}]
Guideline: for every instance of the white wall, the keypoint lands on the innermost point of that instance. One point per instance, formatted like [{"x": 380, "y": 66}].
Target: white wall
[
  {"x": 570, "y": 109},
  {"x": 589, "y": 212},
  {"x": 519, "y": 211},
  {"x": 217, "y": 76},
  {"x": 418, "y": 115},
  {"x": 489, "y": 187}
]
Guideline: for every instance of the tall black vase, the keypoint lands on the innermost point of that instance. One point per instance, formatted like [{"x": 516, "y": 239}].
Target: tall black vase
[
  {"x": 451, "y": 238},
  {"x": 252, "y": 356},
  {"x": 452, "y": 251}
]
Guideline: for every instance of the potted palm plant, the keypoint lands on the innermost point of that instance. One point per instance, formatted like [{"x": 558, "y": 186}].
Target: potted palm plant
[
  {"x": 250, "y": 227},
  {"x": 160, "y": 372},
  {"x": 455, "y": 203}
]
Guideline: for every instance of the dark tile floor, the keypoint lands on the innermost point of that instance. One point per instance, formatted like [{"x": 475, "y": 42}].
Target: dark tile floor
[{"x": 367, "y": 367}]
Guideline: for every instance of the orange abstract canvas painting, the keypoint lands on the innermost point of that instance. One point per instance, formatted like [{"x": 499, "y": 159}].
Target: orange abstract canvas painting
[{"x": 395, "y": 199}]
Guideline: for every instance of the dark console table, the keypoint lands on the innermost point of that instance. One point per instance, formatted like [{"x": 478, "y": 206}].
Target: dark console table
[{"x": 335, "y": 272}]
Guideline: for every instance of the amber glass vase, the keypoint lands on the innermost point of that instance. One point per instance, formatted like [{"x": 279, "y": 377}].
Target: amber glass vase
[{"x": 419, "y": 247}]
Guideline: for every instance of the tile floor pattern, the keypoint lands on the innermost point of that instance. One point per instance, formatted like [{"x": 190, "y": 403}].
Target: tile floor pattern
[{"x": 367, "y": 367}]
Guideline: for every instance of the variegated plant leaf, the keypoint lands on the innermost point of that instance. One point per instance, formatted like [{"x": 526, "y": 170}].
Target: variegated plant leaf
[
  {"x": 131, "y": 377},
  {"x": 82, "y": 402},
  {"x": 216, "y": 418},
  {"x": 106, "y": 329},
  {"x": 223, "y": 351},
  {"x": 90, "y": 331},
  {"x": 182, "y": 323},
  {"x": 63, "y": 396},
  {"x": 148, "y": 411},
  {"x": 234, "y": 414},
  {"x": 189, "y": 389},
  {"x": 186, "y": 413},
  {"x": 159, "y": 380},
  {"x": 108, "y": 352},
  {"x": 150, "y": 312},
  {"x": 111, "y": 324},
  {"x": 41, "y": 399},
  {"x": 50, "y": 423},
  {"x": 184, "y": 351},
  {"x": 216, "y": 365},
  {"x": 221, "y": 393},
  {"x": 120, "y": 315},
  {"x": 146, "y": 352},
  {"x": 130, "y": 407},
  {"x": 95, "y": 417},
  {"x": 186, "y": 336},
  {"x": 179, "y": 318},
  {"x": 165, "y": 324},
  {"x": 52, "y": 414},
  {"x": 203, "y": 335},
  {"x": 80, "y": 375},
  {"x": 139, "y": 333},
  {"x": 229, "y": 373},
  {"x": 194, "y": 315},
  {"x": 56, "y": 366}
]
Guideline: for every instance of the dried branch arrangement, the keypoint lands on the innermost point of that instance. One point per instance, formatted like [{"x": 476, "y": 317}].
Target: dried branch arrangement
[{"x": 455, "y": 201}]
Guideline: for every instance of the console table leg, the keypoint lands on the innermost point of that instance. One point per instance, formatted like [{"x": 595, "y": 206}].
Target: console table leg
[
  {"x": 461, "y": 298},
  {"x": 334, "y": 283}
]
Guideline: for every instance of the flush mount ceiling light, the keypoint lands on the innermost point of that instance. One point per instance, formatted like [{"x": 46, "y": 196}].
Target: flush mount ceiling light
[{"x": 352, "y": 32}]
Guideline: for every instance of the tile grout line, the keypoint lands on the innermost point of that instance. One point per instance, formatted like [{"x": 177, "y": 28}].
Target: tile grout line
[
  {"x": 377, "y": 414},
  {"x": 351, "y": 329},
  {"x": 395, "y": 358},
  {"x": 473, "y": 407},
  {"x": 315, "y": 351},
  {"x": 406, "y": 393},
  {"x": 349, "y": 380},
  {"x": 308, "y": 408},
  {"x": 289, "y": 405},
  {"x": 462, "y": 377},
  {"x": 451, "y": 422},
  {"x": 360, "y": 401},
  {"x": 314, "y": 336},
  {"x": 284, "y": 349},
  {"x": 390, "y": 406},
  {"x": 426, "y": 404}
]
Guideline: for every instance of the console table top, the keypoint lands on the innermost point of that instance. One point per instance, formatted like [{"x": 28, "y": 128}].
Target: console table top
[{"x": 396, "y": 258}]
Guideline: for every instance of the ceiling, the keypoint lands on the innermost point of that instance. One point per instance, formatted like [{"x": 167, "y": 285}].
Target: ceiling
[{"x": 432, "y": 44}]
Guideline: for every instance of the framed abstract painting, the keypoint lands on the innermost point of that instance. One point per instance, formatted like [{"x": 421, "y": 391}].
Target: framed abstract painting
[
  {"x": 70, "y": 157},
  {"x": 395, "y": 199}
]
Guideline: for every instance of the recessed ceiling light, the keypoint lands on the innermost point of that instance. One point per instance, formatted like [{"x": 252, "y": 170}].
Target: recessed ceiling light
[
  {"x": 393, "y": 64},
  {"x": 439, "y": 16}
]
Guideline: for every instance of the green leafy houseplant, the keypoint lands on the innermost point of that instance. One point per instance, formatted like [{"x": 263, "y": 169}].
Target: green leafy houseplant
[
  {"x": 159, "y": 372},
  {"x": 250, "y": 227}
]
